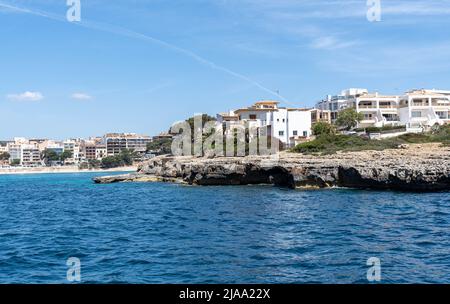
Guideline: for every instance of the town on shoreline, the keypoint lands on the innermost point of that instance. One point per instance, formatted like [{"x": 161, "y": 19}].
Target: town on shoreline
[{"x": 353, "y": 110}]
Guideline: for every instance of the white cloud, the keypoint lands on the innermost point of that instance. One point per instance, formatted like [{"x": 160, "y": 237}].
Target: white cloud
[
  {"x": 26, "y": 96},
  {"x": 81, "y": 96}
]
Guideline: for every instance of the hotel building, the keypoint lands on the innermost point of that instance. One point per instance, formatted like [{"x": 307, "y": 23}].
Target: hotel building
[{"x": 286, "y": 124}]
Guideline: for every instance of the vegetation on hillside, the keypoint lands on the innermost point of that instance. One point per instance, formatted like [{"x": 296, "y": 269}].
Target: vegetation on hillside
[
  {"x": 323, "y": 128},
  {"x": 381, "y": 129},
  {"x": 160, "y": 146},
  {"x": 124, "y": 158},
  {"x": 331, "y": 143},
  {"x": 164, "y": 145},
  {"x": 348, "y": 118}
]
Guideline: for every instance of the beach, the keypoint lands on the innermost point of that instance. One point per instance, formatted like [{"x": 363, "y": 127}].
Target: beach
[{"x": 65, "y": 169}]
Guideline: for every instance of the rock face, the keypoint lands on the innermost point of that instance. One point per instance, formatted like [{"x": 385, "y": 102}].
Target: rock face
[{"x": 416, "y": 168}]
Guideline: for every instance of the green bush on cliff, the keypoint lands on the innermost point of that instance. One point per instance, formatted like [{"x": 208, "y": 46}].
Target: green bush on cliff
[{"x": 330, "y": 143}]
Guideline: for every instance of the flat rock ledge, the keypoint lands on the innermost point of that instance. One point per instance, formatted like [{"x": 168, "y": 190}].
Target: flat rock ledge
[{"x": 423, "y": 167}]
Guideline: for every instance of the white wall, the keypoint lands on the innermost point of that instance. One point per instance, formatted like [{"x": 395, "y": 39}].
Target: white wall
[{"x": 299, "y": 121}]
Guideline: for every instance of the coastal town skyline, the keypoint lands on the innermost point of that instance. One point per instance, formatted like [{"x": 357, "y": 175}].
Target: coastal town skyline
[{"x": 101, "y": 77}]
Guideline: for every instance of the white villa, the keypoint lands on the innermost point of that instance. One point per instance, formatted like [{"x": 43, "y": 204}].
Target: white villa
[
  {"x": 425, "y": 107},
  {"x": 289, "y": 125},
  {"x": 417, "y": 108}
]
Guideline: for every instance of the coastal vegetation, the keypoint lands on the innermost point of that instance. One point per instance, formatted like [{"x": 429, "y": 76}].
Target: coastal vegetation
[
  {"x": 4, "y": 156},
  {"x": 124, "y": 158},
  {"x": 332, "y": 143},
  {"x": 381, "y": 129},
  {"x": 160, "y": 146},
  {"x": 15, "y": 162},
  {"x": 323, "y": 128},
  {"x": 50, "y": 156},
  {"x": 348, "y": 119}
]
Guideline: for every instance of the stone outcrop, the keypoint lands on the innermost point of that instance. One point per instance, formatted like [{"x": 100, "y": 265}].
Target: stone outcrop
[{"x": 413, "y": 168}]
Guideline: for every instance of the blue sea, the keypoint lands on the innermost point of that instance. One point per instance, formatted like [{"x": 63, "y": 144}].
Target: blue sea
[{"x": 168, "y": 233}]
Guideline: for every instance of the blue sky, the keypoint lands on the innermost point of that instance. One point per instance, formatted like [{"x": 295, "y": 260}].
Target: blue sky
[{"x": 139, "y": 66}]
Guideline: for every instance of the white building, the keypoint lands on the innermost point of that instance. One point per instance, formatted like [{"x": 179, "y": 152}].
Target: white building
[
  {"x": 15, "y": 152},
  {"x": 74, "y": 146},
  {"x": 30, "y": 156},
  {"x": 336, "y": 103},
  {"x": 117, "y": 142},
  {"x": 414, "y": 109},
  {"x": 287, "y": 125},
  {"x": 24, "y": 153},
  {"x": 424, "y": 108},
  {"x": 378, "y": 110}
]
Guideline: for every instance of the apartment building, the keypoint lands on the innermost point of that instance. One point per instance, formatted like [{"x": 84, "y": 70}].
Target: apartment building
[
  {"x": 24, "y": 152},
  {"x": 424, "y": 107},
  {"x": 15, "y": 151},
  {"x": 74, "y": 146},
  {"x": 416, "y": 108},
  {"x": 286, "y": 124},
  {"x": 378, "y": 110},
  {"x": 30, "y": 156},
  {"x": 117, "y": 142},
  {"x": 320, "y": 116},
  {"x": 336, "y": 103}
]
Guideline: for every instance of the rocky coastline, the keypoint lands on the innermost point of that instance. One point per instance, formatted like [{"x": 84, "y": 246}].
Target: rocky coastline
[{"x": 424, "y": 167}]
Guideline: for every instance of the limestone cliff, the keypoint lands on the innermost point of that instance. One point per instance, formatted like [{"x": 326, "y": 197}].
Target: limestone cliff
[{"x": 414, "y": 168}]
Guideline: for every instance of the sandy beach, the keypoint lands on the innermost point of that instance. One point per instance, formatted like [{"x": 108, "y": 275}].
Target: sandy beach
[{"x": 68, "y": 169}]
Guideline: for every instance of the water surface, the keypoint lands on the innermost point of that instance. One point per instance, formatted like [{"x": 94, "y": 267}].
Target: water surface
[{"x": 166, "y": 233}]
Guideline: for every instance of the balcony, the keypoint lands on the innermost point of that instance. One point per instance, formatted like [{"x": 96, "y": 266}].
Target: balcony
[{"x": 367, "y": 107}]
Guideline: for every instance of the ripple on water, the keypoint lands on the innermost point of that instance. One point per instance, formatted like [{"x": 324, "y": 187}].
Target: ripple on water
[{"x": 163, "y": 233}]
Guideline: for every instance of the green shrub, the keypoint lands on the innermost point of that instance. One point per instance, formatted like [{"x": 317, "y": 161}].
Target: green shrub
[
  {"x": 328, "y": 144},
  {"x": 321, "y": 128},
  {"x": 384, "y": 128}
]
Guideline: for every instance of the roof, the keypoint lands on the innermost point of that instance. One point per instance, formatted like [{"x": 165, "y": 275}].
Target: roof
[
  {"x": 426, "y": 92},
  {"x": 252, "y": 109},
  {"x": 266, "y": 102}
]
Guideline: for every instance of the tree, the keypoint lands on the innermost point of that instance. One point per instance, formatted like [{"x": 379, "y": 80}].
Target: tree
[
  {"x": 111, "y": 162},
  {"x": 65, "y": 155},
  {"x": 160, "y": 146},
  {"x": 15, "y": 162},
  {"x": 94, "y": 163},
  {"x": 323, "y": 128},
  {"x": 124, "y": 158},
  {"x": 205, "y": 119},
  {"x": 349, "y": 118},
  {"x": 4, "y": 156},
  {"x": 50, "y": 156}
]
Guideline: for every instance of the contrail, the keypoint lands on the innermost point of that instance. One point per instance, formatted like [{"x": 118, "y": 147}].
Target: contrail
[{"x": 132, "y": 34}]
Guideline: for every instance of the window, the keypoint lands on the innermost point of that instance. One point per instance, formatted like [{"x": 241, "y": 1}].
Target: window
[
  {"x": 441, "y": 115},
  {"x": 284, "y": 120},
  {"x": 281, "y": 133},
  {"x": 278, "y": 120},
  {"x": 295, "y": 133},
  {"x": 305, "y": 133},
  {"x": 252, "y": 116},
  {"x": 416, "y": 114}
]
